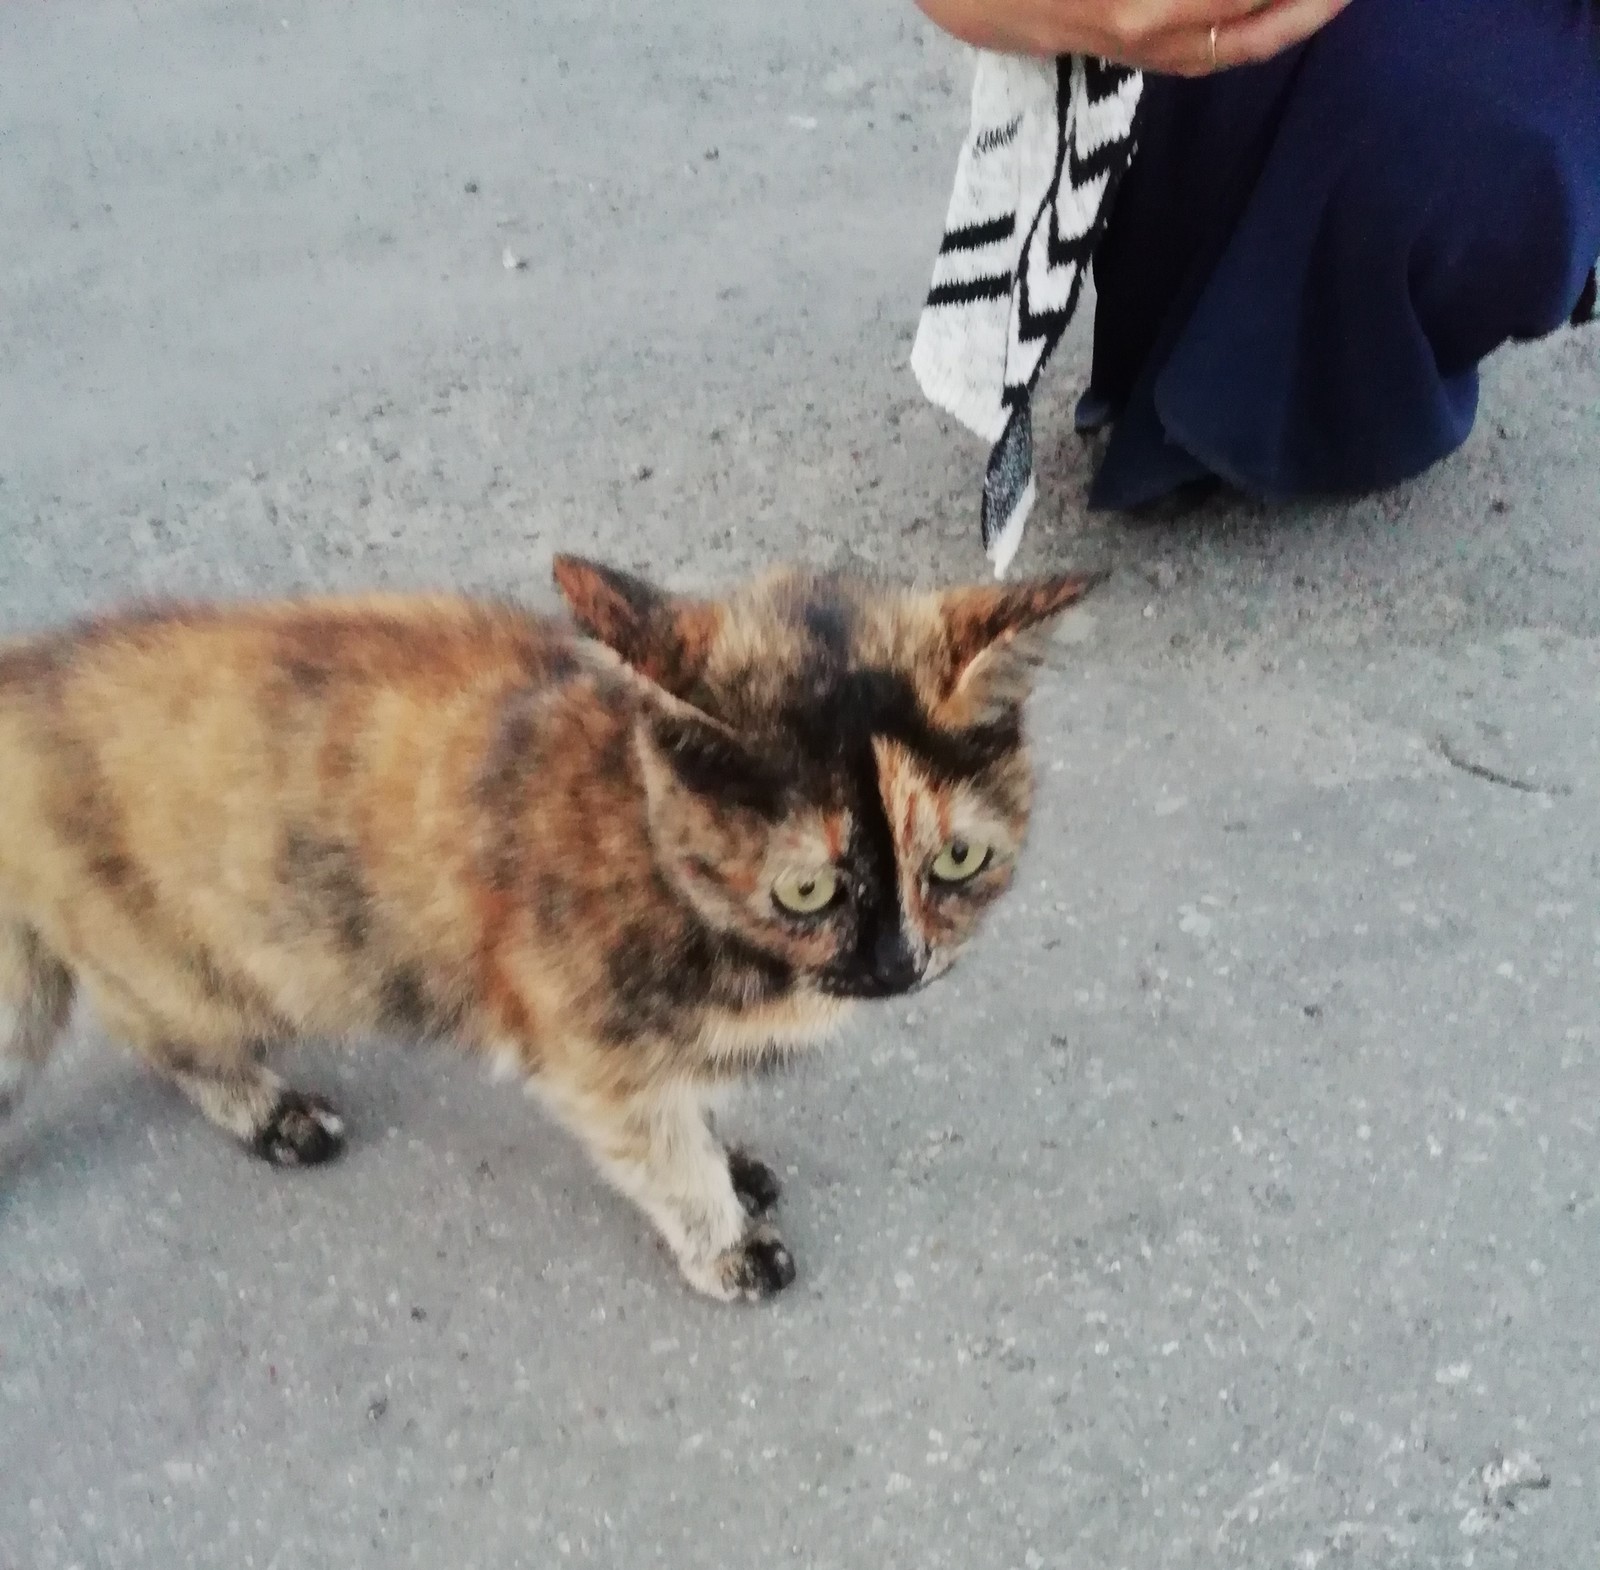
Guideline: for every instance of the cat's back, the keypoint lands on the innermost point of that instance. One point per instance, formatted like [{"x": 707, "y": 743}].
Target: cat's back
[
  {"x": 278, "y": 647},
  {"x": 187, "y": 731},
  {"x": 161, "y": 669}
]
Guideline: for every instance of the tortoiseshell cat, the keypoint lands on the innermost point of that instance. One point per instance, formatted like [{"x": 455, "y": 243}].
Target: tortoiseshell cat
[{"x": 631, "y": 867}]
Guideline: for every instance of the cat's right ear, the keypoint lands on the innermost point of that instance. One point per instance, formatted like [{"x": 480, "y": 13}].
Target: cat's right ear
[{"x": 665, "y": 637}]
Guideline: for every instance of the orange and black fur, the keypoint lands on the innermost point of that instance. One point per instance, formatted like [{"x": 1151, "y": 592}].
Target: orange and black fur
[{"x": 630, "y": 863}]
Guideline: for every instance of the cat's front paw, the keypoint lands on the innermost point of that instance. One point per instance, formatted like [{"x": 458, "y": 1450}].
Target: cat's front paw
[
  {"x": 754, "y": 1182},
  {"x": 757, "y": 1267},
  {"x": 760, "y": 1267},
  {"x": 302, "y": 1130}
]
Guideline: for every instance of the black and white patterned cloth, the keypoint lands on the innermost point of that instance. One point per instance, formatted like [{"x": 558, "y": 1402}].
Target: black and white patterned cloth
[{"x": 1049, "y": 142}]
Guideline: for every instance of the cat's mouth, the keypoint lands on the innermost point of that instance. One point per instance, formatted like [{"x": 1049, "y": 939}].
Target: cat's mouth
[{"x": 870, "y": 988}]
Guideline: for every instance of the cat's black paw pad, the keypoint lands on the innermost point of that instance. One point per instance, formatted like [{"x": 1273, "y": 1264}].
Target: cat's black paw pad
[
  {"x": 763, "y": 1266},
  {"x": 754, "y": 1182},
  {"x": 302, "y": 1131}
]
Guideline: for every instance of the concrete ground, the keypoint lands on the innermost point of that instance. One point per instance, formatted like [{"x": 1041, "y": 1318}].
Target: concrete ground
[{"x": 1235, "y": 1204}]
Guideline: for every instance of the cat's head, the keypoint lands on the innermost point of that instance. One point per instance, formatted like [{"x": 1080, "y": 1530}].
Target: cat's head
[{"x": 836, "y": 771}]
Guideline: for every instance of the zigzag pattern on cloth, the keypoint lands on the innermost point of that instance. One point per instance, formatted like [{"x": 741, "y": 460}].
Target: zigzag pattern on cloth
[
  {"x": 1049, "y": 143},
  {"x": 1096, "y": 146}
]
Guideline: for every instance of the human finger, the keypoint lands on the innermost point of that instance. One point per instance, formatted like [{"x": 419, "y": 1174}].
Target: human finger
[
  {"x": 1202, "y": 51},
  {"x": 1171, "y": 16},
  {"x": 1265, "y": 33}
]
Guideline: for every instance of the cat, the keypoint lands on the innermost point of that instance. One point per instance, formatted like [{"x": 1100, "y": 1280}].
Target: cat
[{"x": 632, "y": 858}]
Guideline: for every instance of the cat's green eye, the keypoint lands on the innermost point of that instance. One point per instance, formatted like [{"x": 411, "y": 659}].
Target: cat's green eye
[
  {"x": 960, "y": 861},
  {"x": 806, "y": 893}
]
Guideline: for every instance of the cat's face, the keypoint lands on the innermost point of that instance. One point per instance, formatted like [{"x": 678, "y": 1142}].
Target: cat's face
[{"x": 836, "y": 772}]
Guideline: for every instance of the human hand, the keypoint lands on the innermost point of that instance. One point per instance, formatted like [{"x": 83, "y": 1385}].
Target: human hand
[{"x": 1174, "y": 37}]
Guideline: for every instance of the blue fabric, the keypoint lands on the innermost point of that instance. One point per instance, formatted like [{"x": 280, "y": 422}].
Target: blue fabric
[{"x": 1309, "y": 258}]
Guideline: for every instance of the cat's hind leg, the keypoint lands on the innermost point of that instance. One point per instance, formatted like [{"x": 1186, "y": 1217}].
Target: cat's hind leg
[
  {"x": 222, "y": 1073},
  {"x": 288, "y": 1127},
  {"x": 657, "y": 1148},
  {"x": 35, "y": 999}
]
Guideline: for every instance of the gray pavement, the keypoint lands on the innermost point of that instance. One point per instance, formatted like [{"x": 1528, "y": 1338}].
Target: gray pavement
[{"x": 1236, "y": 1202}]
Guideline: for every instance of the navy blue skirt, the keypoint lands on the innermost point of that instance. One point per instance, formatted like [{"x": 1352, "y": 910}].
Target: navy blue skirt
[{"x": 1309, "y": 258}]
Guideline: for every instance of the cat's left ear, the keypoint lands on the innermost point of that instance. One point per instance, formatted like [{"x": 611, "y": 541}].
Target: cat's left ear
[
  {"x": 665, "y": 637},
  {"x": 994, "y": 635}
]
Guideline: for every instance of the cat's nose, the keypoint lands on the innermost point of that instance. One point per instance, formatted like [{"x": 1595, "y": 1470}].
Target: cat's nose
[{"x": 895, "y": 966}]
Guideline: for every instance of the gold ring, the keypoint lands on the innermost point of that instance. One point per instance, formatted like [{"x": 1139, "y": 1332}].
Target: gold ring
[{"x": 1213, "y": 46}]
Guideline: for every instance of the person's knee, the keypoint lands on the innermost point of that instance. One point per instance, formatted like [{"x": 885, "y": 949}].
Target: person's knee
[{"x": 1483, "y": 223}]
